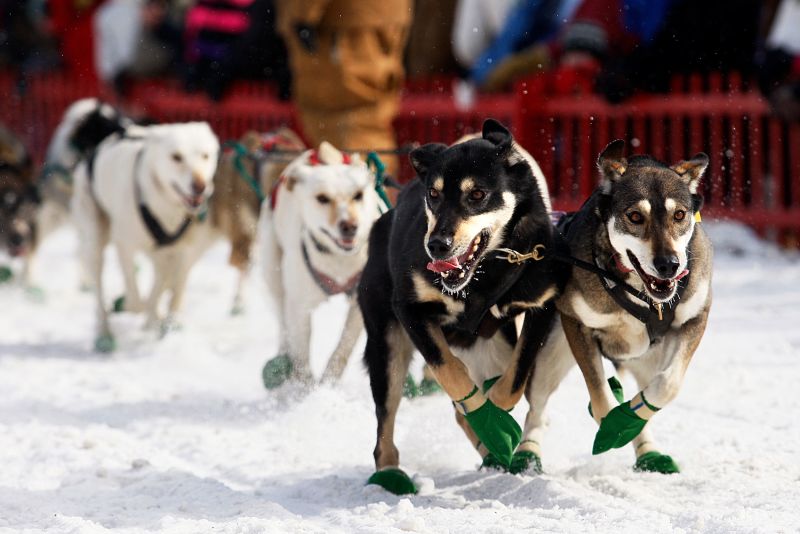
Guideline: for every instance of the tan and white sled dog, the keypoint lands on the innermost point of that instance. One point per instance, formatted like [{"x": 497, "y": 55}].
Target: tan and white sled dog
[
  {"x": 313, "y": 242},
  {"x": 143, "y": 191},
  {"x": 242, "y": 177},
  {"x": 641, "y": 300}
]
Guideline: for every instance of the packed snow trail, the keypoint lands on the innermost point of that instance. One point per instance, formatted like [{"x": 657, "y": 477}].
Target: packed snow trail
[{"x": 178, "y": 435}]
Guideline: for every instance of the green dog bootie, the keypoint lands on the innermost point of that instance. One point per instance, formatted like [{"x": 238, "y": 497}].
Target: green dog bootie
[
  {"x": 5, "y": 273},
  {"x": 496, "y": 429},
  {"x": 119, "y": 304},
  {"x": 616, "y": 389},
  {"x": 526, "y": 462},
  {"x": 410, "y": 389},
  {"x": 428, "y": 386},
  {"x": 393, "y": 480},
  {"x": 617, "y": 428},
  {"x": 521, "y": 462},
  {"x": 277, "y": 371},
  {"x": 105, "y": 343},
  {"x": 655, "y": 462}
]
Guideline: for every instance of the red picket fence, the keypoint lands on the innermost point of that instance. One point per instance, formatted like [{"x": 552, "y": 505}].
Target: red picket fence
[{"x": 754, "y": 174}]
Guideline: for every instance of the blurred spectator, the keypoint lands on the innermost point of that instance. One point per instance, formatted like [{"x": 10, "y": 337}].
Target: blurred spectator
[
  {"x": 346, "y": 61},
  {"x": 136, "y": 38},
  {"x": 779, "y": 58},
  {"x": 477, "y": 23},
  {"x": 429, "y": 51},
  {"x": 25, "y": 40},
  {"x": 228, "y": 39},
  {"x": 72, "y": 25},
  {"x": 656, "y": 39}
]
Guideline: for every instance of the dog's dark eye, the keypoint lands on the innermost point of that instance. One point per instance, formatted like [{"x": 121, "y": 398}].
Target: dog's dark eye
[
  {"x": 177, "y": 158},
  {"x": 323, "y": 199},
  {"x": 433, "y": 193},
  {"x": 358, "y": 196},
  {"x": 635, "y": 217},
  {"x": 477, "y": 194},
  {"x": 679, "y": 215}
]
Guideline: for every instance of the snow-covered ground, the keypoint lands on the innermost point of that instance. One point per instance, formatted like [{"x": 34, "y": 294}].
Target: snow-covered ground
[{"x": 178, "y": 435}]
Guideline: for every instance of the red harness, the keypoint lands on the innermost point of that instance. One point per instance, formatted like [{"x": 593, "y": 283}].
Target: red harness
[{"x": 313, "y": 160}]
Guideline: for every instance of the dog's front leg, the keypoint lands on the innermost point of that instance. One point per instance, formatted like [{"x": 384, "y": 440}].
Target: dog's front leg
[
  {"x": 494, "y": 427},
  {"x": 508, "y": 389},
  {"x": 626, "y": 421},
  {"x": 353, "y": 325},
  {"x": 132, "y": 301},
  {"x": 590, "y": 362}
]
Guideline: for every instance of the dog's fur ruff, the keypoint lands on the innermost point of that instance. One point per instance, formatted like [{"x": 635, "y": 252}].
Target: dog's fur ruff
[
  {"x": 593, "y": 325},
  {"x": 406, "y": 305},
  {"x": 19, "y": 199},
  {"x": 317, "y": 207},
  {"x": 167, "y": 168}
]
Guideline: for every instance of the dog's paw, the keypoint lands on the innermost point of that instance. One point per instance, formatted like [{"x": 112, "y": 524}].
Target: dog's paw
[
  {"x": 35, "y": 293},
  {"x": 6, "y": 273},
  {"x": 393, "y": 480},
  {"x": 496, "y": 429},
  {"x": 277, "y": 371},
  {"x": 119, "y": 304},
  {"x": 617, "y": 429},
  {"x": 655, "y": 462},
  {"x": 237, "y": 309},
  {"x": 525, "y": 462},
  {"x": 521, "y": 462},
  {"x": 168, "y": 325},
  {"x": 105, "y": 343},
  {"x": 616, "y": 389}
]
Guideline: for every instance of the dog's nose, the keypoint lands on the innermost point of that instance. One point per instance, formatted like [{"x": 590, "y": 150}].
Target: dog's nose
[
  {"x": 198, "y": 187},
  {"x": 348, "y": 229},
  {"x": 16, "y": 239},
  {"x": 666, "y": 266},
  {"x": 439, "y": 246}
]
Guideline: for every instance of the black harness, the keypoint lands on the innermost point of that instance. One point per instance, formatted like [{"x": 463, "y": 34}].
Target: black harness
[
  {"x": 657, "y": 321},
  {"x": 157, "y": 232}
]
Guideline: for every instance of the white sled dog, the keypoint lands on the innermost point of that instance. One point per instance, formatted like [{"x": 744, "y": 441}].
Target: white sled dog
[
  {"x": 313, "y": 233},
  {"x": 142, "y": 191}
]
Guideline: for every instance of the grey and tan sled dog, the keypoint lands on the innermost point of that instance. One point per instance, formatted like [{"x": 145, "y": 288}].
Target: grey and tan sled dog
[
  {"x": 640, "y": 298},
  {"x": 439, "y": 279}
]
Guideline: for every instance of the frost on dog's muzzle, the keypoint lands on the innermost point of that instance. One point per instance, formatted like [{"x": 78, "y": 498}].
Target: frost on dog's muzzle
[{"x": 455, "y": 270}]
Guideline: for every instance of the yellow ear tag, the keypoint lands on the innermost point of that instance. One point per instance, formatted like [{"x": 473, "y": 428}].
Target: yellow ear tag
[{"x": 697, "y": 217}]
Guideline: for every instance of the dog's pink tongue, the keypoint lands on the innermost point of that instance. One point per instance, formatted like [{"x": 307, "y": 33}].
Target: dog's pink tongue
[
  {"x": 442, "y": 266},
  {"x": 684, "y": 273}
]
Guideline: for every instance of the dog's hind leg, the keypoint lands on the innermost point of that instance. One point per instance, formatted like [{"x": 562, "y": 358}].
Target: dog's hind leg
[
  {"x": 133, "y": 300},
  {"x": 551, "y": 366},
  {"x": 387, "y": 356},
  {"x": 93, "y": 227},
  {"x": 353, "y": 325}
]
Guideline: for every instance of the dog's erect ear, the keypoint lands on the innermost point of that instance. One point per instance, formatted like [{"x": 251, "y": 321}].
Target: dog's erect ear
[
  {"x": 691, "y": 171},
  {"x": 329, "y": 154},
  {"x": 612, "y": 164},
  {"x": 498, "y": 135},
  {"x": 423, "y": 157}
]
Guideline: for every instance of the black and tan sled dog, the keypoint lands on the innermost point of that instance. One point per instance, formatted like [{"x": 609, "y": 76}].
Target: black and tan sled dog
[
  {"x": 441, "y": 278},
  {"x": 640, "y": 299}
]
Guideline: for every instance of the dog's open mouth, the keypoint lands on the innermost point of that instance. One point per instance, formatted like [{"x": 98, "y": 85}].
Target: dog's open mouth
[
  {"x": 660, "y": 289},
  {"x": 192, "y": 201},
  {"x": 457, "y": 271},
  {"x": 345, "y": 243}
]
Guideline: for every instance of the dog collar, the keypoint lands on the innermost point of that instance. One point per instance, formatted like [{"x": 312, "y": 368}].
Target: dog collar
[
  {"x": 157, "y": 231},
  {"x": 328, "y": 285}
]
